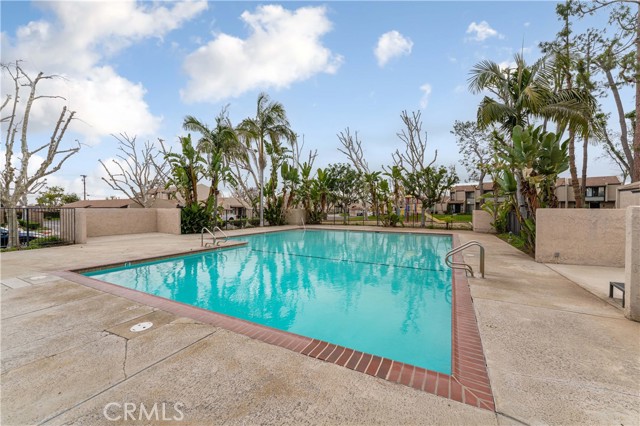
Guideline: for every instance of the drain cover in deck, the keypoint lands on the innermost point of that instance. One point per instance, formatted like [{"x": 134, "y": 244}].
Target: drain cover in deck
[{"x": 141, "y": 326}]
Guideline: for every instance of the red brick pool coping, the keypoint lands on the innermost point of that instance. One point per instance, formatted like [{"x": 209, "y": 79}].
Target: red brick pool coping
[{"x": 468, "y": 383}]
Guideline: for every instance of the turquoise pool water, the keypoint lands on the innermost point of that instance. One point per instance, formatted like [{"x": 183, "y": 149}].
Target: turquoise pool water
[{"x": 388, "y": 294}]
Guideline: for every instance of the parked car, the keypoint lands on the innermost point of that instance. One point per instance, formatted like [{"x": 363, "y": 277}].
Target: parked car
[{"x": 24, "y": 236}]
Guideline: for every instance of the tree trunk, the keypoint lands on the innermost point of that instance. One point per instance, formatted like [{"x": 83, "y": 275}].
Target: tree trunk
[
  {"x": 585, "y": 158},
  {"x": 481, "y": 186},
  {"x": 261, "y": 197},
  {"x": 575, "y": 183},
  {"x": 624, "y": 141},
  {"x": 12, "y": 225},
  {"x": 522, "y": 207},
  {"x": 636, "y": 134}
]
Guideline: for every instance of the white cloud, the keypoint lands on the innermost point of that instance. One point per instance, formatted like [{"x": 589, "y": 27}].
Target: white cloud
[
  {"x": 482, "y": 31},
  {"x": 391, "y": 45},
  {"x": 460, "y": 88},
  {"x": 527, "y": 24},
  {"x": 283, "y": 47},
  {"x": 76, "y": 44},
  {"x": 507, "y": 64},
  {"x": 424, "y": 101}
]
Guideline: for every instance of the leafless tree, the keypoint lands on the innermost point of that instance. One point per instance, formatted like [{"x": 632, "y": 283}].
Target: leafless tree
[
  {"x": 16, "y": 183},
  {"x": 354, "y": 152},
  {"x": 413, "y": 159},
  {"x": 426, "y": 182},
  {"x": 139, "y": 172}
]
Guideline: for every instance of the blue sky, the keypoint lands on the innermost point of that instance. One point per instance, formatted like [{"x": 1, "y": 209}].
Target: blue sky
[{"x": 141, "y": 67}]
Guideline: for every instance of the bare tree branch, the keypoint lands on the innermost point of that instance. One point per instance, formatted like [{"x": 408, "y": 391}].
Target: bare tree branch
[
  {"x": 16, "y": 183},
  {"x": 353, "y": 150},
  {"x": 141, "y": 172}
]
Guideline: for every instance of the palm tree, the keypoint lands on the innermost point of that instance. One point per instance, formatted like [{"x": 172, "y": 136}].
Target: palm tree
[
  {"x": 395, "y": 174},
  {"x": 218, "y": 144},
  {"x": 525, "y": 92},
  {"x": 186, "y": 169},
  {"x": 268, "y": 127}
]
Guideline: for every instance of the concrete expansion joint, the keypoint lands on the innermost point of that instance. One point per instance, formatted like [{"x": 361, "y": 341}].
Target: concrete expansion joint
[
  {"x": 611, "y": 317},
  {"x": 124, "y": 361},
  {"x": 583, "y": 384},
  {"x": 511, "y": 418},
  {"x": 49, "y": 419}
]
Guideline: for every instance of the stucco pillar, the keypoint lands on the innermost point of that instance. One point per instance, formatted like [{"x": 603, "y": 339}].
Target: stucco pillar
[
  {"x": 632, "y": 264},
  {"x": 295, "y": 217},
  {"x": 81, "y": 226}
]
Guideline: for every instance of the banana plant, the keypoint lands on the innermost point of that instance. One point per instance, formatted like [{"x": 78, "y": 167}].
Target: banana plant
[{"x": 534, "y": 159}]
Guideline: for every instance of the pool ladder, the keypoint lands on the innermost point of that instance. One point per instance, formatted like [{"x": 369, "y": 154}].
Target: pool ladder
[
  {"x": 215, "y": 241},
  {"x": 461, "y": 265}
]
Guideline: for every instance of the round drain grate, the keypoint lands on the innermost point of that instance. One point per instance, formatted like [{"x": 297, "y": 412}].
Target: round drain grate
[{"x": 141, "y": 326}]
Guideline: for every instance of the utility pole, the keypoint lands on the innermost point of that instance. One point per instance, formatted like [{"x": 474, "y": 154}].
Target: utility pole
[{"x": 84, "y": 186}]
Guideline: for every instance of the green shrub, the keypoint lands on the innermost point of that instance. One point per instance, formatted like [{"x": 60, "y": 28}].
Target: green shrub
[
  {"x": 28, "y": 225},
  {"x": 238, "y": 223},
  {"x": 315, "y": 217},
  {"x": 193, "y": 218},
  {"x": 392, "y": 220},
  {"x": 273, "y": 213},
  {"x": 46, "y": 241}
]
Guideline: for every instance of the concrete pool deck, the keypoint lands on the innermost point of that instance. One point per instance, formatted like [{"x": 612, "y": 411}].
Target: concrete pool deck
[{"x": 556, "y": 353}]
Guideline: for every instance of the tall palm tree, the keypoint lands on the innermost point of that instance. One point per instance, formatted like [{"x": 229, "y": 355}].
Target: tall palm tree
[
  {"x": 524, "y": 92},
  {"x": 218, "y": 144},
  {"x": 186, "y": 168},
  {"x": 268, "y": 127}
]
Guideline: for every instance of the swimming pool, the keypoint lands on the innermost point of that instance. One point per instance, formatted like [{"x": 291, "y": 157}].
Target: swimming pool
[{"x": 386, "y": 294}]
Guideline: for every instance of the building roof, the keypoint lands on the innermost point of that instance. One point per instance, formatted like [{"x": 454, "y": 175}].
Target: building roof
[
  {"x": 486, "y": 186},
  {"x": 592, "y": 181},
  {"x": 120, "y": 204},
  {"x": 232, "y": 202},
  {"x": 109, "y": 204}
]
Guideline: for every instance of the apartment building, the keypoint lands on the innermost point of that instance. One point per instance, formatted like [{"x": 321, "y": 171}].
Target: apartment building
[
  {"x": 466, "y": 198},
  {"x": 601, "y": 192}
]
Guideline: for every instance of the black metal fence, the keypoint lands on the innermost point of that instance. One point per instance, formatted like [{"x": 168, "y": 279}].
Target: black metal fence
[
  {"x": 355, "y": 217},
  {"x": 399, "y": 218},
  {"x": 513, "y": 225},
  {"x": 33, "y": 227}
]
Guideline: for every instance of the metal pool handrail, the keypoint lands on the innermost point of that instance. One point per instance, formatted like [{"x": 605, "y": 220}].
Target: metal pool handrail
[
  {"x": 462, "y": 265},
  {"x": 213, "y": 236}
]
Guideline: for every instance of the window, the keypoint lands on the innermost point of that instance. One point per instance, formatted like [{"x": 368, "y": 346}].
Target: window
[
  {"x": 595, "y": 191},
  {"x": 470, "y": 197}
]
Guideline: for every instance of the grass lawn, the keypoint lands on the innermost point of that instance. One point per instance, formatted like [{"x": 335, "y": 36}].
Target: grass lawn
[{"x": 454, "y": 217}]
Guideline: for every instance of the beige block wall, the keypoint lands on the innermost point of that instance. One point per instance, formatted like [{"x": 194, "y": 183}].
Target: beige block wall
[
  {"x": 632, "y": 267},
  {"x": 295, "y": 216},
  {"x": 628, "y": 198},
  {"x": 482, "y": 222},
  {"x": 581, "y": 236},
  {"x": 102, "y": 222},
  {"x": 168, "y": 221}
]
